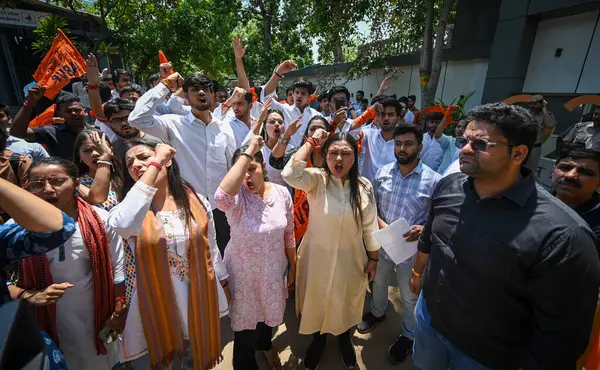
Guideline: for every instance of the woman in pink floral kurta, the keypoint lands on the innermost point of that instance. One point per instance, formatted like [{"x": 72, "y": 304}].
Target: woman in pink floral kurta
[{"x": 260, "y": 215}]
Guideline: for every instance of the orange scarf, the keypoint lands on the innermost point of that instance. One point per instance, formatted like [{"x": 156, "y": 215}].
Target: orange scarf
[
  {"x": 158, "y": 306},
  {"x": 34, "y": 273}
]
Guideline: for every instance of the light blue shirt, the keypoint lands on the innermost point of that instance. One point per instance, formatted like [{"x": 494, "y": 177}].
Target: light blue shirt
[
  {"x": 34, "y": 151},
  {"x": 407, "y": 197}
]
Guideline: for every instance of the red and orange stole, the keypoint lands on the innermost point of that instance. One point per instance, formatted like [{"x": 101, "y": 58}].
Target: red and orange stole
[
  {"x": 158, "y": 307},
  {"x": 34, "y": 273}
]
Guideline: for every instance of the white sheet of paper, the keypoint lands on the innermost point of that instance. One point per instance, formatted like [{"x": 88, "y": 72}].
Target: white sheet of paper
[{"x": 391, "y": 240}]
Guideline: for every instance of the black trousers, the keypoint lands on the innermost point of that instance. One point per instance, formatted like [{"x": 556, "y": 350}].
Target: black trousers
[
  {"x": 222, "y": 229},
  {"x": 247, "y": 342}
]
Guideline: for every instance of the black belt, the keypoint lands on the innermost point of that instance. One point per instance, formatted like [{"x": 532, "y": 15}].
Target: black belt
[{"x": 537, "y": 145}]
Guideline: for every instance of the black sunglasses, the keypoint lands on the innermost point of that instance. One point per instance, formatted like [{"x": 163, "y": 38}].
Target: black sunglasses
[{"x": 481, "y": 145}]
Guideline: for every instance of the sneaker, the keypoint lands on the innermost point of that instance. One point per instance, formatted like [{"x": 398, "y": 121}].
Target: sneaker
[
  {"x": 347, "y": 351},
  {"x": 315, "y": 352},
  {"x": 369, "y": 322},
  {"x": 400, "y": 350}
]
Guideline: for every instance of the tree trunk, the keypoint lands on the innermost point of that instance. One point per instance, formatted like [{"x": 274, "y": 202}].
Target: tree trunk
[
  {"x": 338, "y": 56},
  {"x": 426, "y": 49},
  {"x": 429, "y": 86},
  {"x": 267, "y": 34}
]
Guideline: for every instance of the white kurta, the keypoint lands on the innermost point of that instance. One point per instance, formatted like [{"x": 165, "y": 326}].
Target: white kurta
[
  {"x": 127, "y": 219},
  {"x": 75, "y": 310},
  {"x": 331, "y": 284}
]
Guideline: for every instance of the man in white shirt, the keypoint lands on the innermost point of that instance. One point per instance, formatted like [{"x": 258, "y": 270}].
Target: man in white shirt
[
  {"x": 241, "y": 121},
  {"x": 378, "y": 143},
  {"x": 302, "y": 93},
  {"x": 432, "y": 153},
  {"x": 121, "y": 78},
  {"x": 204, "y": 144}
]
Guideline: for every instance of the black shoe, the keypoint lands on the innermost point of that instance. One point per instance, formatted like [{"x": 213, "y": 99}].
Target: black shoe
[
  {"x": 315, "y": 352},
  {"x": 369, "y": 322},
  {"x": 400, "y": 350},
  {"x": 347, "y": 350}
]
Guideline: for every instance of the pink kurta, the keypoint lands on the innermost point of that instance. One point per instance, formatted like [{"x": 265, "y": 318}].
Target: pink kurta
[{"x": 255, "y": 256}]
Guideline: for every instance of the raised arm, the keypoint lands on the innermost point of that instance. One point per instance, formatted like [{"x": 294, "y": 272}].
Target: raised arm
[
  {"x": 98, "y": 192},
  {"x": 369, "y": 114},
  {"x": 385, "y": 86},
  {"x": 280, "y": 148},
  {"x": 235, "y": 176},
  {"x": 127, "y": 217},
  {"x": 236, "y": 96},
  {"x": 295, "y": 172},
  {"x": 20, "y": 125},
  {"x": 143, "y": 116},
  {"x": 239, "y": 51},
  {"x": 278, "y": 74},
  {"x": 93, "y": 76}
]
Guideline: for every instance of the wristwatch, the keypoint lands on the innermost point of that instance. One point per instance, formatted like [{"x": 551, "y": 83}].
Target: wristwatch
[{"x": 283, "y": 140}]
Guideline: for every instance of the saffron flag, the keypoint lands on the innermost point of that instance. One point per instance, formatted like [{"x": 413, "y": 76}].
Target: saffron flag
[
  {"x": 162, "y": 58},
  {"x": 44, "y": 119},
  {"x": 62, "y": 63}
]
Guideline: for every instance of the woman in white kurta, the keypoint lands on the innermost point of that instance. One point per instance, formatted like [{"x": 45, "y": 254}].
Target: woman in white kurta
[
  {"x": 157, "y": 174},
  {"x": 338, "y": 255},
  {"x": 71, "y": 271}
]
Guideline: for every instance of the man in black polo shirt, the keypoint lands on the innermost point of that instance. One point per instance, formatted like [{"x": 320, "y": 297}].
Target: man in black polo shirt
[
  {"x": 59, "y": 139},
  {"x": 575, "y": 181},
  {"x": 512, "y": 272}
]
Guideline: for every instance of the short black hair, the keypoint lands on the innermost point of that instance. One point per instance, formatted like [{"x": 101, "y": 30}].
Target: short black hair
[
  {"x": 290, "y": 88},
  {"x": 412, "y": 97},
  {"x": 365, "y": 101},
  {"x": 117, "y": 74},
  {"x": 304, "y": 85},
  {"x": 378, "y": 99},
  {"x": 339, "y": 89},
  {"x": 107, "y": 77},
  {"x": 361, "y": 92},
  {"x": 407, "y": 128},
  {"x": 391, "y": 102},
  {"x": 219, "y": 87},
  {"x": 581, "y": 153},
  {"x": 403, "y": 99},
  {"x": 248, "y": 97},
  {"x": 198, "y": 79},
  {"x": 116, "y": 105},
  {"x": 154, "y": 77},
  {"x": 66, "y": 98},
  {"x": 434, "y": 116},
  {"x": 3, "y": 108},
  {"x": 324, "y": 96},
  {"x": 513, "y": 122},
  {"x": 105, "y": 91},
  {"x": 131, "y": 88}
]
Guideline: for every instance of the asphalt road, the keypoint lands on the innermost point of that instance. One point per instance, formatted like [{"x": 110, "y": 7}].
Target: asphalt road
[{"x": 371, "y": 348}]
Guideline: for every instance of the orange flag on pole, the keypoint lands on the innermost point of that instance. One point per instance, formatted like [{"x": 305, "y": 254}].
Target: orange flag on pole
[
  {"x": 44, "y": 119},
  {"x": 62, "y": 63},
  {"x": 162, "y": 58}
]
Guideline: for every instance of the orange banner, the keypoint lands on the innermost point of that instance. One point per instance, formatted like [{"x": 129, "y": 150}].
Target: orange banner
[
  {"x": 44, "y": 119},
  {"x": 62, "y": 63},
  {"x": 162, "y": 58},
  {"x": 522, "y": 98},
  {"x": 581, "y": 100}
]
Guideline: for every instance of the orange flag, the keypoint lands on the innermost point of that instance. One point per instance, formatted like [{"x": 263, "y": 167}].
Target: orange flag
[
  {"x": 62, "y": 63},
  {"x": 44, "y": 119},
  {"x": 162, "y": 58}
]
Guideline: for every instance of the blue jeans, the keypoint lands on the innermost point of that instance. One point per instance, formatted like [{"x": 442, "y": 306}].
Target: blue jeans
[
  {"x": 379, "y": 302},
  {"x": 431, "y": 351}
]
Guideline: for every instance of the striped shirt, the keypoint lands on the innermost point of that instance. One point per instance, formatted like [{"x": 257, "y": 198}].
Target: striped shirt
[{"x": 406, "y": 197}]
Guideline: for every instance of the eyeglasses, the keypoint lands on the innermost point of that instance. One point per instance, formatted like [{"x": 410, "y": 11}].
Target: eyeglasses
[
  {"x": 119, "y": 121},
  {"x": 38, "y": 186},
  {"x": 481, "y": 145}
]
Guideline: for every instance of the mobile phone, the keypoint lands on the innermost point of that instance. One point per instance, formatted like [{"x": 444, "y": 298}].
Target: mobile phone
[{"x": 339, "y": 104}]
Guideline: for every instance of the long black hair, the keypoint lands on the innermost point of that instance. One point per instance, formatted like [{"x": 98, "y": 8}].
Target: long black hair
[
  {"x": 263, "y": 132},
  {"x": 178, "y": 187},
  {"x": 116, "y": 175},
  {"x": 356, "y": 183}
]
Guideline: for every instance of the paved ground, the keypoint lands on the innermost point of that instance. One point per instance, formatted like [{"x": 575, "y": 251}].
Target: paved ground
[{"x": 371, "y": 349}]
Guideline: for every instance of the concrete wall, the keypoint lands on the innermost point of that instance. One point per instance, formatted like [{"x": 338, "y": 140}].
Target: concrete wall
[
  {"x": 457, "y": 78},
  {"x": 548, "y": 73}
]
